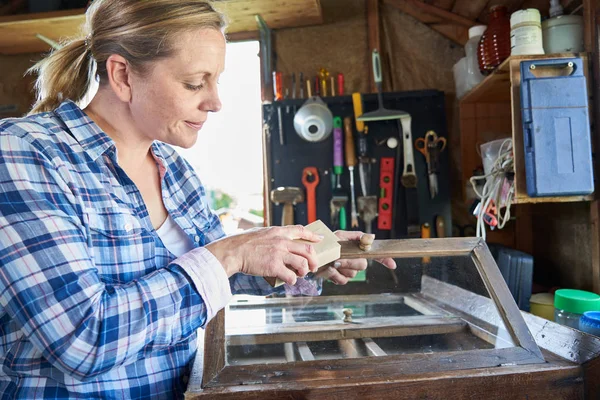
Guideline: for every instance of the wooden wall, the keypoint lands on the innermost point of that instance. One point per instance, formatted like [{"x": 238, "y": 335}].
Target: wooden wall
[
  {"x": 340, "y": 45},
  {"x": 16, "y": 90}
]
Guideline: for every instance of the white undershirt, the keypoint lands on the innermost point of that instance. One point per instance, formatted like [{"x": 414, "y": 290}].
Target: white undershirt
[{"x": 174, "y": 238}]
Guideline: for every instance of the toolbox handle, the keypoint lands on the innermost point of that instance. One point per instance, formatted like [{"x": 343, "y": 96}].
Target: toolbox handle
[{"x": 552, "y": 68}]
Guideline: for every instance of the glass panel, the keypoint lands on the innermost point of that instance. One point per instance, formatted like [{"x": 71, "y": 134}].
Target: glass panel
[{"x": 427, "y": 305}]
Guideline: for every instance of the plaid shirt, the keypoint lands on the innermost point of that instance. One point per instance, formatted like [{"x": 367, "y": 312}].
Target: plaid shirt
[{"x": 92, "y": 304}]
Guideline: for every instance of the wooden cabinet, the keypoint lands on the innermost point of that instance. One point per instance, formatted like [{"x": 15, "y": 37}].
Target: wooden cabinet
[
  {"x": 453, "y": 331},
  {"x": 549, "y": 228},
  {"x": 492, "y": 110}
]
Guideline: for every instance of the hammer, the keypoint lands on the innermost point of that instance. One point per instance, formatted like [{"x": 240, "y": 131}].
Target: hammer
[{"x": 289, "y": 196}]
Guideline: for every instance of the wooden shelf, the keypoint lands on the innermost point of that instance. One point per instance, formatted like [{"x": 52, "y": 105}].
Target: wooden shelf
[
  {"x": 492, "y": 110},
  {"x": 18, "y": 33}
]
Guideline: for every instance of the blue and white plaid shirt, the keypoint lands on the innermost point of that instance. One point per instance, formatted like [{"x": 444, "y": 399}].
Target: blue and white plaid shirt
[{"x": 92, "y": 304}]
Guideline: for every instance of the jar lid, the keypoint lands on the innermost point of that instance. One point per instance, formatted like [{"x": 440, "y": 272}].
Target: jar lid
[
  {"x": 563, "y": 20},
  {"x": 477, "y": 30},
  {"x": 591, "y": 319},
  {"x": 576, "y": 301},
  {"x": 528, "y": 15}
]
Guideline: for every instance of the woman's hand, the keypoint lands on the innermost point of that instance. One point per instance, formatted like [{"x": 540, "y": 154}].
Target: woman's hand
[
  {"x": 268, "y": 252},
  {"x": 341, "y": 271}
]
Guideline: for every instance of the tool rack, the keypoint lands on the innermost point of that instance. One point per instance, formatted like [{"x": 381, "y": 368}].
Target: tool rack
[{"x": 283, "y": 164}]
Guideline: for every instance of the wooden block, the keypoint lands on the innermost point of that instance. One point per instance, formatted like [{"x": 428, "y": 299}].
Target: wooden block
[{"x": 328, "y": 249}]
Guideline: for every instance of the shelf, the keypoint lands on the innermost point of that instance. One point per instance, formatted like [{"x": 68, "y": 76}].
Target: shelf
[
  {"x": 492, "y": 110},
  {"x": 496, "y": 86},
  {"x": 18, "y": 33}
]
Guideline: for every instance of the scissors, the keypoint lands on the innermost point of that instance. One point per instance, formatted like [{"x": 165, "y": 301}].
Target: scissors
[{"x": 431, "y": 146}]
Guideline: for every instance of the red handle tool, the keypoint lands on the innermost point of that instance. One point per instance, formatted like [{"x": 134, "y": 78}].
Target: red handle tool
[{"x": 310, "y": 180}]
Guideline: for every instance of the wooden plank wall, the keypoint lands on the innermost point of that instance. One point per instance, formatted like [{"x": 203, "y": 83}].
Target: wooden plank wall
[
  {"x": 340, "y": 45},
  {"x": 16, "y": 91}
]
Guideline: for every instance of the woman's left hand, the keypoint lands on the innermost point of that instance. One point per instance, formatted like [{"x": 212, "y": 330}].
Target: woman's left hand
[{"x": 341, "y": 271}]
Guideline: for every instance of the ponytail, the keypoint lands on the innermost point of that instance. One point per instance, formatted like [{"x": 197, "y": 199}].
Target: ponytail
[{"x": 64, "y": 74}]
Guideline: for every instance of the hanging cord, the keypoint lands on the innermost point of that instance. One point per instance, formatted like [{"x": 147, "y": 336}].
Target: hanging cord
[{"x": 498, "y": 191}]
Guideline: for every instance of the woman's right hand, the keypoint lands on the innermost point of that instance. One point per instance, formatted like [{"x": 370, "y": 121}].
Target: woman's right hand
[{"x": 270, "y": 252}]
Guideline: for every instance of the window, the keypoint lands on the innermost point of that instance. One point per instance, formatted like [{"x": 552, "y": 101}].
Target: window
[{"x": 228, "y": 153}]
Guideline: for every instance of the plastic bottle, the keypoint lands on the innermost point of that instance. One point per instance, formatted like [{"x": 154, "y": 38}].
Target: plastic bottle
[
  {"x": 570, "y": 304},
  {"x": 590, "y": 323},
  {"x": 460, "y": 77},
  {"x": 474, "y": 75},
  {"x": 562, "y": 33},
  {"x": 526, "y": 32},
  {"x": 494, "y": 46}
]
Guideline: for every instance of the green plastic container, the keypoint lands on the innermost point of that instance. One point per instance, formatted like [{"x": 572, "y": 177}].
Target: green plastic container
[{"x": 570, "y": 304}]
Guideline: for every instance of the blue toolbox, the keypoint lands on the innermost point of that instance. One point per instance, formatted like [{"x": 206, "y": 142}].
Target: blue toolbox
[{"x": 556, "y": 128}]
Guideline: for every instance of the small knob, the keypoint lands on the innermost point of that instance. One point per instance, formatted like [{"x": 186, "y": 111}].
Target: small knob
[
  {"x": 366, "y": 241},
  {"x": 347, "y": 315}
]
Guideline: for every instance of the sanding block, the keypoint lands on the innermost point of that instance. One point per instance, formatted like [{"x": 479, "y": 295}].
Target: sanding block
[{"x": 328, "y": 249}]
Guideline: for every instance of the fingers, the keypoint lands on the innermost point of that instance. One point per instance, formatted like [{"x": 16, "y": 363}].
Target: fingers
[
  {"x": 348, "y": 273},
  {"x": 333, "y": 275},
  {"x": 300, "y": 232},
  {"x": 357, "y": 264},
  {"x": 286, "y": 274},
  {"x": 296, "y": 263},
  {"x": 305, "y": 250},
  {"x": 348, "y": 235},
  {"x": 388, "y": 262}
]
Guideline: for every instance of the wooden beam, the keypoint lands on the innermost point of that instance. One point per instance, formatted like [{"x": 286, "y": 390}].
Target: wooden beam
[
  {"x": 443, "y": 4},
  {"x": 412, "y": 248},
  {"x": 17, "y": 33},
  {"x": 304, "y": 352},
  {"x": 214, "y": 348},
  {"x": 373, "y": 348},
  {"x": 496, "y": 286},
  {"x": 373, "y": 33},
  {"x": 338, "y": 330},
  {"x": 367, "y": 369},
  {"x": 455, "y": 32},
  {"x": 243, "y": 36},
  {"x": 447, "y": 15},
  {"x": 469, "y": 9}
]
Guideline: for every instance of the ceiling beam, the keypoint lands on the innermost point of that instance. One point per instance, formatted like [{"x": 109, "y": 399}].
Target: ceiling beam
[
  {"x": 458, "y": 33},
  {"x": 440, "y": 12}
]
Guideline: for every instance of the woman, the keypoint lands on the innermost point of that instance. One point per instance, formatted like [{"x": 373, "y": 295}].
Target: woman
[{"x": 110, "y": 259}]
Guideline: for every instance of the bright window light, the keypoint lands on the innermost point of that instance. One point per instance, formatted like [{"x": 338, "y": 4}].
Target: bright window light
[{"x": 228, "y": 153}]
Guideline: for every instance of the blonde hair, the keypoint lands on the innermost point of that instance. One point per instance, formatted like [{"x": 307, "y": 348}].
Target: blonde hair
[{"x": 141, "y": 31}]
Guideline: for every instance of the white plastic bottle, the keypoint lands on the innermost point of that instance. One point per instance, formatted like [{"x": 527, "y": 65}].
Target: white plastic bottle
[
  {"x": 474, "y": 76},
  {"x": 526, "y": 32}
]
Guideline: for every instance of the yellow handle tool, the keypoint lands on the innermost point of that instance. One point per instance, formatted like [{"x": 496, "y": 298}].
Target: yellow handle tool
[{"x": 358, "y": 111}]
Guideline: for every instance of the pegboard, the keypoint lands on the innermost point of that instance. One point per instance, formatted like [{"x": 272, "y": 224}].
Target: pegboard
[{"x": 285, "y": 163}]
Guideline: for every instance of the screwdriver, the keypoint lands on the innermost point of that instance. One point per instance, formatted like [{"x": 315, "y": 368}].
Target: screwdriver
[
  {"x": 278, "y": 85},
  {"x": 351, "y": 162},
  {"x": 340, "y": 83},
  {"x": 338, "y": 152}
]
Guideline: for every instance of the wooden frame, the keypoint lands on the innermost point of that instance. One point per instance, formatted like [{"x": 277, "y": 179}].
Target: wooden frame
[{"x": 218, "y": 374}]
